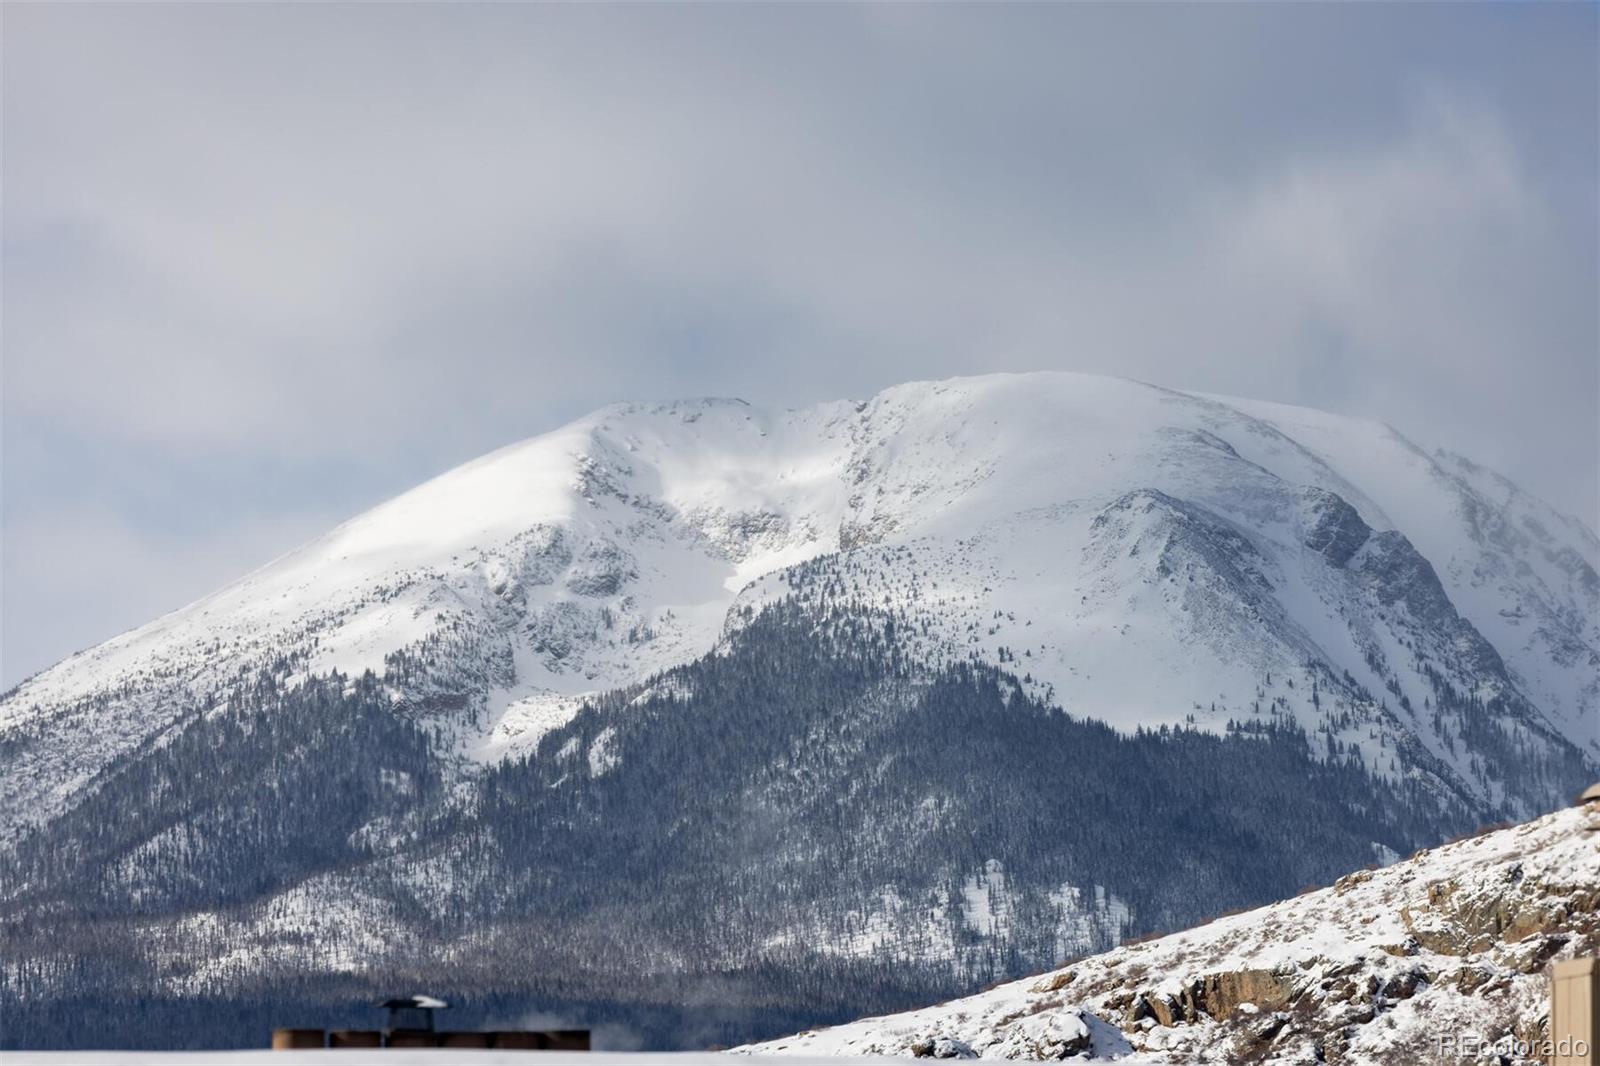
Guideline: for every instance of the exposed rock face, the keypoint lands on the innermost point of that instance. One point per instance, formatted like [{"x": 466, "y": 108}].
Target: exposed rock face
[
  {"x": 1224, "y": 995},
  {"x": 1457, "y": 940},
  {"x": 1463, "y": 920},
  {"x": 1218, "y": 995},
  {"x": 1333, "y": 527},
  {"x": 1396, "y": 574}
]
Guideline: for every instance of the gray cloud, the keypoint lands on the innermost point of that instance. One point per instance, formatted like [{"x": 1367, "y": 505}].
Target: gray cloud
[{"x": 268, "y": 264}]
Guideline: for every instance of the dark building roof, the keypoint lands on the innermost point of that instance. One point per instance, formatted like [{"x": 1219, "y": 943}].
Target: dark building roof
[{"x": 414, "y": 1003}]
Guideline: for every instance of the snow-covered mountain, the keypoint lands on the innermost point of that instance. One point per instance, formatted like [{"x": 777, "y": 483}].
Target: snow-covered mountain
[
  {"x": 1455, "y": 944},
  {"x": 1142, "y": 556},
  {"x": 842, "y": 709}
]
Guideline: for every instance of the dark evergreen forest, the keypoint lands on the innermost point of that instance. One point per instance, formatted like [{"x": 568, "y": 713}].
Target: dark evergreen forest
[{"x": 676, "y": 865}]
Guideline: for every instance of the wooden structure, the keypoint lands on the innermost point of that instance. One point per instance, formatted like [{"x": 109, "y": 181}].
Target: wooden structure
[
  {"x": 411, "y": 1025},
  {"x": 296, "y": 1039},
  {"x": 410, "y": 1019},
  {"x": 1575, "y": 1013},
  {"x": 1575, "y": 998},
  {"x": 501, "y": 1039}
]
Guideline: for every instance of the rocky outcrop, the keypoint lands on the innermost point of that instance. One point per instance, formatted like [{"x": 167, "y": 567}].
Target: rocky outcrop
[
  {"x": 1396, "y": 575},
  {"x": 1225, "y": 995},
  {"x": 1460, "y": 920},
  {"x": 1332, "y": 526},
  {"x": 1218, "y": 995},
  {"x": 941, "y": 1048}
]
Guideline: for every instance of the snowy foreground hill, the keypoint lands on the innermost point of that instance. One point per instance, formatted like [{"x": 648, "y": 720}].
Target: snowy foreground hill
[
  {"x": 1441, "y": 957},
  {"x": 802, "y": 713}
]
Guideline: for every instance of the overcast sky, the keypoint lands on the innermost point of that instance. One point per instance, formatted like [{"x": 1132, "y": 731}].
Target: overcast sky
[{"x": 268, "y": 265}]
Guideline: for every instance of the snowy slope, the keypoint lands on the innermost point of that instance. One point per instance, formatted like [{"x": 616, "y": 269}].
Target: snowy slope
[
  {"x": 1522, "y": 573},
  {"x": 1143, "y": 556},
  {"x": 1457, "y": 940}
]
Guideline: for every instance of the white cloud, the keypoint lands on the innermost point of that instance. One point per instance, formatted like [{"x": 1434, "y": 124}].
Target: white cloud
[{"x": 395, "y": 237}]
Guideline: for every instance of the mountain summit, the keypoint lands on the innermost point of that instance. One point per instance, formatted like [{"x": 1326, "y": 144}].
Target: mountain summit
[
  {"x": 938, "y": 676},
  {"x": 1144, "y": 556}
]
